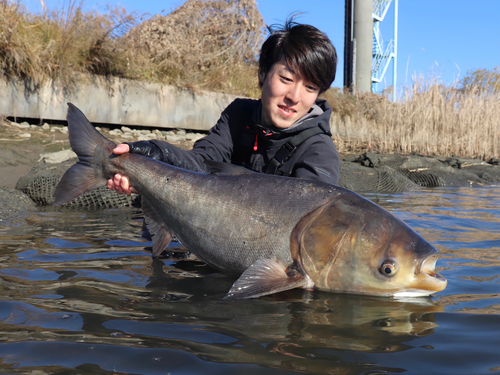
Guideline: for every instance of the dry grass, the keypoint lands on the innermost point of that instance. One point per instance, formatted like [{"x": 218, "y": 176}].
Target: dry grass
[
  {"x": 203, "y": 44},
  {"x": 213, "y": 45},
  {"x": 207, "y": 44},
  {"x": 58, "y": 44},
  {"x": 431, "y": 119}
]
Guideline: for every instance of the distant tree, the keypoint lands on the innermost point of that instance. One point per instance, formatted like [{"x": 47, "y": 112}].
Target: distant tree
[{"x": 481, "y": 81}]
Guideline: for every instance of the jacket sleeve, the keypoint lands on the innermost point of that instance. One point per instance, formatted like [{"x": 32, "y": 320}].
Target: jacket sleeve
[
  {"x": 216, "y": 145},
  {"x": 319, "y": 161}
]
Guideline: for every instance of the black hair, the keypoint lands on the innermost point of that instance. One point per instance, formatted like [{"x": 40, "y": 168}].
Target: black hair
[{"x": 304, "y": 49}]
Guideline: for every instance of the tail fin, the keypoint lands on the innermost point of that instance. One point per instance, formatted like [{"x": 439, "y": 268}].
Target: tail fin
[{"x": 84, "y": 139}]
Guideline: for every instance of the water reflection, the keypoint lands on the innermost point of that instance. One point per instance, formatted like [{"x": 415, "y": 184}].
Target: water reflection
[
  {"x": 295, "y": 332},
  {"x": 81, "y": 294}
]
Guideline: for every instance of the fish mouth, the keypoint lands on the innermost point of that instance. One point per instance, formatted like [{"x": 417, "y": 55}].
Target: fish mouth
[
  {"x": 427, "y": 280},
  {"x": 428, "y": 266}
]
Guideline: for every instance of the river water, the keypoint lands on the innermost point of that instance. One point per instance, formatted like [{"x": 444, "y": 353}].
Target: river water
[{"x": 80, "y": 294}]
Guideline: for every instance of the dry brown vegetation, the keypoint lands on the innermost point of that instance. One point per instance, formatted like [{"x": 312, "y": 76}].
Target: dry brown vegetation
[
  {"x": 214, "y": 44},
  {"x": 430, "y": 119},
  {"x": 208, "y": 44},
  {"x": 60, "y": 43}
]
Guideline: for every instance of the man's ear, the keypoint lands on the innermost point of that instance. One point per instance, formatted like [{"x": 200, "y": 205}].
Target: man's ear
[{"x": 262, "y": 76}]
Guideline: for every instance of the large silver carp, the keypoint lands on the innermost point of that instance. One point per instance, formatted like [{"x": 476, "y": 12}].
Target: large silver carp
[{"x": 275, "y": 233}]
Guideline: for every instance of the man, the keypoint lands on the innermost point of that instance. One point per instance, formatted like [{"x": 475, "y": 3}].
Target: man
[{"x": 285, "y": 133}]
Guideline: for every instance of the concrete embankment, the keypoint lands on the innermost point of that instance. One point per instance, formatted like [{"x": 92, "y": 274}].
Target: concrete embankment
[
  {"x": 120, "y": 102},
  {"x": 114, "y": 101}
]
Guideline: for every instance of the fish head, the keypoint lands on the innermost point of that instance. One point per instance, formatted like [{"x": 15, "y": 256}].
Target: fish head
[{"x": 352, "y": 245}]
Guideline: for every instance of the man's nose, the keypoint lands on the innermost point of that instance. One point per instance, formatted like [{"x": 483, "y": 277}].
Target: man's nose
[{"x": 293, "y": 94}]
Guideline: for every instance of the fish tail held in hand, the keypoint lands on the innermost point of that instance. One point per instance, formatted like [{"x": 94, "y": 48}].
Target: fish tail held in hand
[{"x": 88, "y": 144}]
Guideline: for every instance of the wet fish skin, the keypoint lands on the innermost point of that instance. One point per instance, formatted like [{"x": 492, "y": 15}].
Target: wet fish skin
[{"x": 276, "y": 232}]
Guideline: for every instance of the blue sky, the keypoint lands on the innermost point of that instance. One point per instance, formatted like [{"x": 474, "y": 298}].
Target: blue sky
[{"x": 437, "y": 38}]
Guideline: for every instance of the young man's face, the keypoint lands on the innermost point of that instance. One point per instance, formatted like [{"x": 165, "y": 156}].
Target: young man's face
[{"x": 286, "y": 96}]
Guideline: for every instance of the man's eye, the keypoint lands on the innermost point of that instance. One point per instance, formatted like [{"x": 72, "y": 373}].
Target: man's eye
[
  {"x": 286, "y": 79},
  {"x": 311, "y": 88}
]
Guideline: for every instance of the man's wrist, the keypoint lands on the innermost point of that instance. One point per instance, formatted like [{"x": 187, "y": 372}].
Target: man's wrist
[{"x": 145, "y": 148}]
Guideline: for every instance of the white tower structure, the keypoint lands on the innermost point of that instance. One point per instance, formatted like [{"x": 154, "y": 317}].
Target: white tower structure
[{"x": 384, "y": 53}]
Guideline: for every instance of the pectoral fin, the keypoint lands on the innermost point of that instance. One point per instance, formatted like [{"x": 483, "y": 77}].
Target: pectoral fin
[
  {"x": 265, "y": 277},
  {"x": 160, "y": 233}
]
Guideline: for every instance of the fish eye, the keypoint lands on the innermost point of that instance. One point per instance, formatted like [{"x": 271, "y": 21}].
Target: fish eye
[{"x": 388, "y": 268}]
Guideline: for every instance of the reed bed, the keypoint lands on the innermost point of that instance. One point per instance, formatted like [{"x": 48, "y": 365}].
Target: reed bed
[
  {"x": 213, "y": 45},
  {"x": 429, "y": 119},
  {"x": 433, "y": 119}
]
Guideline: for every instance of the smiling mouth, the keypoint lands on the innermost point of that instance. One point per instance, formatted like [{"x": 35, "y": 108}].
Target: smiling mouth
[{"x": 287, "y": 111}]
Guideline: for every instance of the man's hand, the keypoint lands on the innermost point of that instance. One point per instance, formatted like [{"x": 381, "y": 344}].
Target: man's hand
[{"x": 121, "y": 183}]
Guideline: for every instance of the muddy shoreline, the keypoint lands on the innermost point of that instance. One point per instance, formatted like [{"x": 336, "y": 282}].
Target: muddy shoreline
[{"x": 23, "y": 143}]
